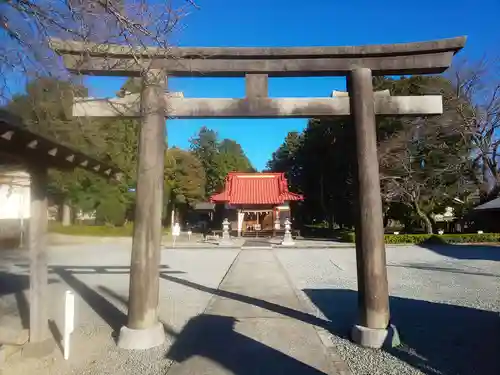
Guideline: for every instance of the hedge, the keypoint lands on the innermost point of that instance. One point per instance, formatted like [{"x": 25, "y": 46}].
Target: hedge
[{"x": 434, "y": 238}]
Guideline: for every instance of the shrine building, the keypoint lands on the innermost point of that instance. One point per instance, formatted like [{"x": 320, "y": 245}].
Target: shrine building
[{"x": 256, "y": 202}]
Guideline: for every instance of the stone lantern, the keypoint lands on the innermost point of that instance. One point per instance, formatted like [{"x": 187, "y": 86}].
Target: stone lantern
[
  {"x": 287, "y": 239},
  {"x": 226, "y": 238}
]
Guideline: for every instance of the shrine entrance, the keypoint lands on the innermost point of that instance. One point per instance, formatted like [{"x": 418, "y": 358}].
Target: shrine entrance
[
  {"x": 257, "y": 223},
  {"x": 256, "y": 203},
  {"x": 153, "y": 105}
]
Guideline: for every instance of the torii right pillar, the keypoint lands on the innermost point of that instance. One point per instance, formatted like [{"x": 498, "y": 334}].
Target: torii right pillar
[{"x": 372, "y": 329}]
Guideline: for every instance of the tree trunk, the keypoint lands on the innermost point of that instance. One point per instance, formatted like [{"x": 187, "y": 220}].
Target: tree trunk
[
  {"x": 322, "y": 196},
  {"x": 331, "y": 222},
  {"x": 424, "y": 217},
  {"x": 66, "y": 215}
]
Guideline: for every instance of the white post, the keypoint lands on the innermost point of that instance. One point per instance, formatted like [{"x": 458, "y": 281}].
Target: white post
[
  {"x": 21, "y": 214},
  {"x": 176, "y": 232},
  {"x": 69, "y": 320}
]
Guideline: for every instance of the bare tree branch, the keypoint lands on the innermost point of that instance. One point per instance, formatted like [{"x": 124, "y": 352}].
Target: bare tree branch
[{"x": 26, "y": 27}]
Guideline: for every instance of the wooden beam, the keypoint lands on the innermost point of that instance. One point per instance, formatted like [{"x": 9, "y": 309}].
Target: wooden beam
[
  {"x": 93, "y": 49},
  {"x": 33, "y": 149},
  {"x": 32, "y": 144},
  {"x": 7, "y": 135},
  {"x": 262, "y": 107},
  {"x": 431, "y": 63},
  {"x": 256, "y": 86},
  {"x": 39, "y": 298},
  {"x": 341, "y": 94}
]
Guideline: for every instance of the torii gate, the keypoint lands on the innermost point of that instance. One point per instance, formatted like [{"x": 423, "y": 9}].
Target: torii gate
[{"x": 359, "y": 64}]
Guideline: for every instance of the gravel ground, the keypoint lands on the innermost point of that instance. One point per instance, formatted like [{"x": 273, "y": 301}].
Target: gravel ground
[
  {"x": 98, "y": 275},
  {"x": 445, "y": 302}
]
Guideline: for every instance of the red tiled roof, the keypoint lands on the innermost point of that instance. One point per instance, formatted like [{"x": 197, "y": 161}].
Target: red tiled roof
[{"x": 255, "y": 188}]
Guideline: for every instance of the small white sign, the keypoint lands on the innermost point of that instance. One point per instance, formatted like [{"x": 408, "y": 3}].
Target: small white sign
[
  {"x": 69, "y": 321},
  {"x": 176, "y": 230}
]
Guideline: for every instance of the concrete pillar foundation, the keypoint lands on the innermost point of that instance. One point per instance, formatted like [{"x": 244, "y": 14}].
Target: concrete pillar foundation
[
  {"x": 288, "y": 240},
  {"x": 376, "y": 338},
  {"x": 141, "y": 339}
]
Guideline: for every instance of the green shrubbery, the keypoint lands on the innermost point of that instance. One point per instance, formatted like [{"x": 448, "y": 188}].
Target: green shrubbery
[
  {"x": 466, "y": 238},
  {"x": 434, "y": 238},
  {"x": 407, "y": 238},
  {"x": 111, "y": 212}
]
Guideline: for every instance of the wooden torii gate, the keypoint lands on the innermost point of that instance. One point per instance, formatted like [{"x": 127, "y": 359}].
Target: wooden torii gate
[{"x": 358, "y": 64}]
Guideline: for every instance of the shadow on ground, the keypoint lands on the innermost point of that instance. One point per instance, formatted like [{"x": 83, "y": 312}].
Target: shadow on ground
[
  {"x": 465, "y": 251},
  {"x": 92, "y": 295},
  {"x": 427, "y": 267},
  {"x": 213, "y": 337},
  {"x": 437, "y": 338},
  {"x": 11, "y": 283},
  {"x": 108, "y": 312},
  {"x": 283, "y": 310}
]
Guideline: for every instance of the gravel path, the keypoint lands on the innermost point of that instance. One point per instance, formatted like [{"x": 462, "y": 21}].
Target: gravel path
[
  {"x": 445, "y": 302},
  {"x": 99, "y": 276}
]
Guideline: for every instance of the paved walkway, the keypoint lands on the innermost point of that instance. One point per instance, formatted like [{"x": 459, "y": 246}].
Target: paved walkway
[
  {"x": 226, "y": 311},
  {"x": 257, "y": 243},
  {"x": 254, "y": 324}
]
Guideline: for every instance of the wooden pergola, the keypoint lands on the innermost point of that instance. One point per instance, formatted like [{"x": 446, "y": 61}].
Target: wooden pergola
[
  {"x": 21, "y": 148},
  {"x": 358, "y": 64}
]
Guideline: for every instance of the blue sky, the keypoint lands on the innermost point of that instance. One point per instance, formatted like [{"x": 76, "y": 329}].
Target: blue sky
[{"x": 308, "y": 23}]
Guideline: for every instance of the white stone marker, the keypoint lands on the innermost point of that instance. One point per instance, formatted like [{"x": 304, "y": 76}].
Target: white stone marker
[
  {"x": 176, "y": 232},
  {"x": 69, "y": 321}
]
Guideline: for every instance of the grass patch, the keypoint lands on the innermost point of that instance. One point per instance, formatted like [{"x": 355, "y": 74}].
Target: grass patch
[
  {"x": 95, "y": 230},
  {"x": 92, "y": 230}
]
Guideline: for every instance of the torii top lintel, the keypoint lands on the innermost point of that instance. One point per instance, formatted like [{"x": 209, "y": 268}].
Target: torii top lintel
[{"x": 429, "y": 57}]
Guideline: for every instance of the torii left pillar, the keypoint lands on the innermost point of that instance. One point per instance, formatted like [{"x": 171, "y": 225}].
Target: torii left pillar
[
  {"x": 143, "y": 330},
  {"x": 40, "y": 342},
  {"x": 37, "y": 237}
]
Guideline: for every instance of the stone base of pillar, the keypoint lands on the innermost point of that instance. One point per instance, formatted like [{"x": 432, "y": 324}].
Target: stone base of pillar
[
  {"x": 375, "y": 338},
  {"x": 140, "y": 339},
  {"x": 225, "y": 242},
  {"x": 38, "y": 349},
  {"x": 287, "y": 240},
  {"x": 226, "y": 239}
]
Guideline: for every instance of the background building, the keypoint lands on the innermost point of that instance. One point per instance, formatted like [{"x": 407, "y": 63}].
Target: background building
[{"x": 256, "y": 202}]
